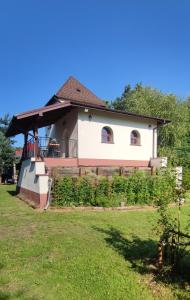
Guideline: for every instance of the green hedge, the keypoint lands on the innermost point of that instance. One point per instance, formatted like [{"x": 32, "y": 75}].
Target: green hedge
[
  {"x": 186, "y": 179},
  {"x": 138, "y": 188}
]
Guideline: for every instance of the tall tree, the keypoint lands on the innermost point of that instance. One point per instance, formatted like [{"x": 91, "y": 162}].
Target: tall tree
[
  {"x": 7, "y": 152},
  {"x": 152, "y": 102}
]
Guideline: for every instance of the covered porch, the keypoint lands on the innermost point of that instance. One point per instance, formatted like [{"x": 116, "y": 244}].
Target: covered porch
[
  {"x": 46, "y": 147},
  {"x": 60, "y": 144}
]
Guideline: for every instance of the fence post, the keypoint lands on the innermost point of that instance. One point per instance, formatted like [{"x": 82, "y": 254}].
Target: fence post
[{"x": 35, "y": 131}]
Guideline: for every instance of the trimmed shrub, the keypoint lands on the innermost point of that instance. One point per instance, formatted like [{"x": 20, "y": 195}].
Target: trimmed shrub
[
  {"x": 134, "y": 189},
  {"x": 102, "y": 192},
  {"x": 120, "y": 184},
  {"x": 64, "y": 191},
  {"x": 138, "y": 188},
  {"x": 113, "y": 200},
  {"x": 103, "y": 187},
  {"x": 85, "y": 191}
]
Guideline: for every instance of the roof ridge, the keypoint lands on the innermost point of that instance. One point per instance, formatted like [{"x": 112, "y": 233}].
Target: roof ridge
[
  {"x": 69, "y": 78},
  {"x": 72, "y": 77},
  {"x": 75, "y": 90}
]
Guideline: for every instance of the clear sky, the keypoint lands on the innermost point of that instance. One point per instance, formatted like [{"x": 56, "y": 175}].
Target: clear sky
[{"x": 105, "y": 44}]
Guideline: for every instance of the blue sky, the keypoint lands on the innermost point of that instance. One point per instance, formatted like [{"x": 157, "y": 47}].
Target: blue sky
[{"x": 105, "y": 44}]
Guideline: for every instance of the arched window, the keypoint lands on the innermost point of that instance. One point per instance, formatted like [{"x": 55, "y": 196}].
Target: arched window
[
  {"x": 107, "y": 135},
  {"x": 135, "y": 138}
]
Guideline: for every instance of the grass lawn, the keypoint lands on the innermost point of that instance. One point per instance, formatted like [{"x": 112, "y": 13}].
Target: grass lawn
[{"x": 79, "y": 255}]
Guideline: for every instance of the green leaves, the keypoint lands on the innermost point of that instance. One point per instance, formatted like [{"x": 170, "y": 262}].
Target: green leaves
[
  {"x": 7, "y": 153},
  {"x": 64, "y": 191},
  {"x": 152, "y": 102},
  {"x": 138, "y": 188}
]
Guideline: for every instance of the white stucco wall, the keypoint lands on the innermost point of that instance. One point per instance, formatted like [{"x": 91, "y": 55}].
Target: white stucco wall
[
  {"x": 89, "y": 136},
  {"x": 28, "y": 179}
]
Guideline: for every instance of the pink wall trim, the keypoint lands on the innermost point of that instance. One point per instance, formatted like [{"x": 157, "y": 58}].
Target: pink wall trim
[
  {"x": 60, "y": 162},
  {"x": 38, "y": 199},
  {"x": 93, "y": 162},
  {"x": 113, "y": 162}
]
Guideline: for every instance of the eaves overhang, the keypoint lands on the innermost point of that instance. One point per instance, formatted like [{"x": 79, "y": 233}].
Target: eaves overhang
[{"x": 48, "y": 115}]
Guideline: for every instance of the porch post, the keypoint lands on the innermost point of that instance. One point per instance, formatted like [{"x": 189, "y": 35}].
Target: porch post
[
  {"x": 24, "y": 155},
  {"x": 35, "y": 131}
]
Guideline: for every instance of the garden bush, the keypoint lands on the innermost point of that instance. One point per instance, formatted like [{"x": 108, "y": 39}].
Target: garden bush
[
  {"x": 163, "y": 188},
  {"x": 138, "y": 188},
  {"x": 186, "y": 179},
  {"x": 103, "y": 187},
  {"x": 85, "y": 191},
  {"x": 64, "y": 191}
]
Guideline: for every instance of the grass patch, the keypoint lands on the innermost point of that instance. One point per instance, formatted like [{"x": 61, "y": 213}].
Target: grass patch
[{"x": 79, "y": 255}]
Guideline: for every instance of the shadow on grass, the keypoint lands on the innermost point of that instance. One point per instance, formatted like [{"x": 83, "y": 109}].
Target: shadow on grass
[
  {"x": 9, "y": 296},
  {"x": 4, "y": 296},
  {"x": 135, "y": 251},
  {"x": 142, "y": 255},
  {"x": 13, "y": 193},
  {"x": 1, "y": 266}
]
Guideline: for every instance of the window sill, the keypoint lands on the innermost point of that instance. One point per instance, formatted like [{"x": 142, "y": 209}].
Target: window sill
[
  {"x": 107, "y": 142},
  {"x": 135, "y": 145}
]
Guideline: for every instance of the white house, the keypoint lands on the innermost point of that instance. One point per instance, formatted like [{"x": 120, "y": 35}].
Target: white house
[{"x": 80, "y": 132}]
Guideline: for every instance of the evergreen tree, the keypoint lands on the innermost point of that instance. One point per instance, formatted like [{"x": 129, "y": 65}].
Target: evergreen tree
[{"x": 7, "y": 152}]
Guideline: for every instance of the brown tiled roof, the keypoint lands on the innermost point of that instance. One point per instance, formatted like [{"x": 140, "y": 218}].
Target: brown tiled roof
[{"x": 74, "y": 90}]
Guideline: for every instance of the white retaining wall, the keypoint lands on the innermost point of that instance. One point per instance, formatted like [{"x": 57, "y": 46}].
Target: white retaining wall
[{"x": 32, "y": 177}]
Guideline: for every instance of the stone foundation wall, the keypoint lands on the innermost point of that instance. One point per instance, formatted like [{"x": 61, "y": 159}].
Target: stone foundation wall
[{"x": 100, "y": 171}]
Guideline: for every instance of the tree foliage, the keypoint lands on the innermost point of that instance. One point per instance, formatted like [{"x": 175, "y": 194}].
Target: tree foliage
[
  {"x": 173, "y": 139},
  {"x": 7, "y": 153}
]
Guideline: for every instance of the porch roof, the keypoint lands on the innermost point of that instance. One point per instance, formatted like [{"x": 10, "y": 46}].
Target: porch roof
[
  {"x": 36, "y": 118},
  {"x": 48, "y": 115}
]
